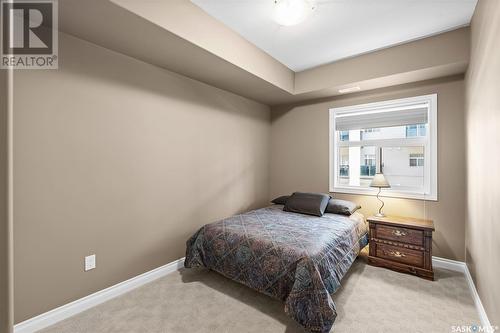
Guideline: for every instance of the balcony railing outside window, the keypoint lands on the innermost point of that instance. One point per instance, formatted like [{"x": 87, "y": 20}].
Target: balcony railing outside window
[
  {"x": 365, "y": 170},
  {"x": 368, "y": 170},
  {"x": 344, "y": 171}
]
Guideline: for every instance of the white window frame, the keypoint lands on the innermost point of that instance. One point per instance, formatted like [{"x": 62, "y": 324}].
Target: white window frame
[{"x": 430, "y": 166}]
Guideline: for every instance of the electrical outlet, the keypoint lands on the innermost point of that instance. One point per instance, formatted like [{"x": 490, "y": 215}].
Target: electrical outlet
[{"x": 89, "y": 262}]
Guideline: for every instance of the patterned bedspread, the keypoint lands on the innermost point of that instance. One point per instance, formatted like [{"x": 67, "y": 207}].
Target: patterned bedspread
[{"x": 298, "y": 259}]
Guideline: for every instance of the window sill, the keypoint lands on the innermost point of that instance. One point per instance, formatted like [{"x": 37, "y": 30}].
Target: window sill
[{"x": 384, "y": 193}]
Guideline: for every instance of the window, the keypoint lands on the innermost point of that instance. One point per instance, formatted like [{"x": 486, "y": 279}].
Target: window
[
  {"x": 344, "y": 135},
  {"x": 416, "y": 160},
  {"x": 397, "y": 137},
  {"x": 368, "y": 133},
  {"x": 369, "y": 160},
  {"x": 416, "y": 130},
  {"x": 369, "y": 166}
]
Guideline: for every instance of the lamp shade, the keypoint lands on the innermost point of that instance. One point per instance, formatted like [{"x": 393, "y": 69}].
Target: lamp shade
[{"x": 379, "y": 181}]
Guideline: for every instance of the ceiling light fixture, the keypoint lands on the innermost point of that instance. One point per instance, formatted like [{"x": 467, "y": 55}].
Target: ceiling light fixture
[
  {"x": 292, "y": 12},
  {"x": 350, "y": 89}
]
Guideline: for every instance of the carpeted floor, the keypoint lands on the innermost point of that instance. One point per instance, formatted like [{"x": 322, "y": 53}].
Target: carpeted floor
[{"x": 371, "y": 300}]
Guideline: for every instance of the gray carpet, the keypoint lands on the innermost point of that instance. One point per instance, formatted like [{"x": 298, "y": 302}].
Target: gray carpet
[{"x": 371, "y": 300}]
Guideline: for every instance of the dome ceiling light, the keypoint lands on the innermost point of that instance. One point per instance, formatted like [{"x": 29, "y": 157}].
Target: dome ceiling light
[{"x": 292, "y": 12}]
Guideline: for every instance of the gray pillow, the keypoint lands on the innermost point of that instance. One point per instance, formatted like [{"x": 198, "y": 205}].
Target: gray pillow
[
  {"x": 342, "y": 207},
  {"x": 280, "y": 200},
  {"x": 307, "y": 203}
]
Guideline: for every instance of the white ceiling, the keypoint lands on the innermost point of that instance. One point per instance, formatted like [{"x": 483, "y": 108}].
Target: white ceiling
[{"x": 339, "y": 29}]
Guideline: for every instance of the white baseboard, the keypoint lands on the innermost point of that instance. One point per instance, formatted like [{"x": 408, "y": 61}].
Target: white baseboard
[
  {"x": 53, "y": 316},
  {"x": 452, "y": 265},
  {"x": 477, "y": 301},
  {"x": 460, "y": 266}
]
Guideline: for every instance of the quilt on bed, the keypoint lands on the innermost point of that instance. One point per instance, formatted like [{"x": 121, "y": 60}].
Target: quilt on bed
[{"x": 298, "y": 259}]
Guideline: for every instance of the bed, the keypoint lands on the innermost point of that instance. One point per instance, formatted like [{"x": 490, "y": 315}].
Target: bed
[{"x": 298, "y": 259}]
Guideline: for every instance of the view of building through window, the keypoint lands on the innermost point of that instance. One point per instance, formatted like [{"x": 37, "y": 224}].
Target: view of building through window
[{"x": 402, "y": 165}]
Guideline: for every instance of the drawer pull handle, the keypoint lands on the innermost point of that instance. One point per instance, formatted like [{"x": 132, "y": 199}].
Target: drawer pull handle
[
  {"x": 397, "y": 254},
  {"x": 399, "y": 233}
]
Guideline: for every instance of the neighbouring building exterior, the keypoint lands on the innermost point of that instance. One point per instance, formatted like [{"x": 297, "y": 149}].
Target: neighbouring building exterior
[{"x": 402, "y": 165}]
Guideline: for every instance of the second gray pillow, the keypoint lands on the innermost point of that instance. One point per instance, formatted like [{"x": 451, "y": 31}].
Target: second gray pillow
[{"x": 343, "y": 207}]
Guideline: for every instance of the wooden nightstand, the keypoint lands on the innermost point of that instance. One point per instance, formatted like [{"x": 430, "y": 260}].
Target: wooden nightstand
[{"x": 403, "y": 244}]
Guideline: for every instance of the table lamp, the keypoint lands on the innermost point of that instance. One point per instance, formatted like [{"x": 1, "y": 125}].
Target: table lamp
[{"x": 380, "y": 182}]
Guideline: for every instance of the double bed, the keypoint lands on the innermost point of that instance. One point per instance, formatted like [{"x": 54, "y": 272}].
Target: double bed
[{"x": 296, "y": 258}]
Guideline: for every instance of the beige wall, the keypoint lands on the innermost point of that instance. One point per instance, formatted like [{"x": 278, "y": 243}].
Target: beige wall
[
  {"x": 299, "y": 157},
  {"x": 3, "y": 203},
  {"x": 483, "y": 142},
  {"x": 119, "y": 158},
  {"x": 5, "y": 324}
]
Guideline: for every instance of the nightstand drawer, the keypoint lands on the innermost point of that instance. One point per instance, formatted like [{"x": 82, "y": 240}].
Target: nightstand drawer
[
  {"x": 400, "y": 234},
  {"x": 403, "y": 255}
]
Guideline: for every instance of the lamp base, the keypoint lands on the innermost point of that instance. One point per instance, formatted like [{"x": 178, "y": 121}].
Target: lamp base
[{"x": 380, "y": 215}]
